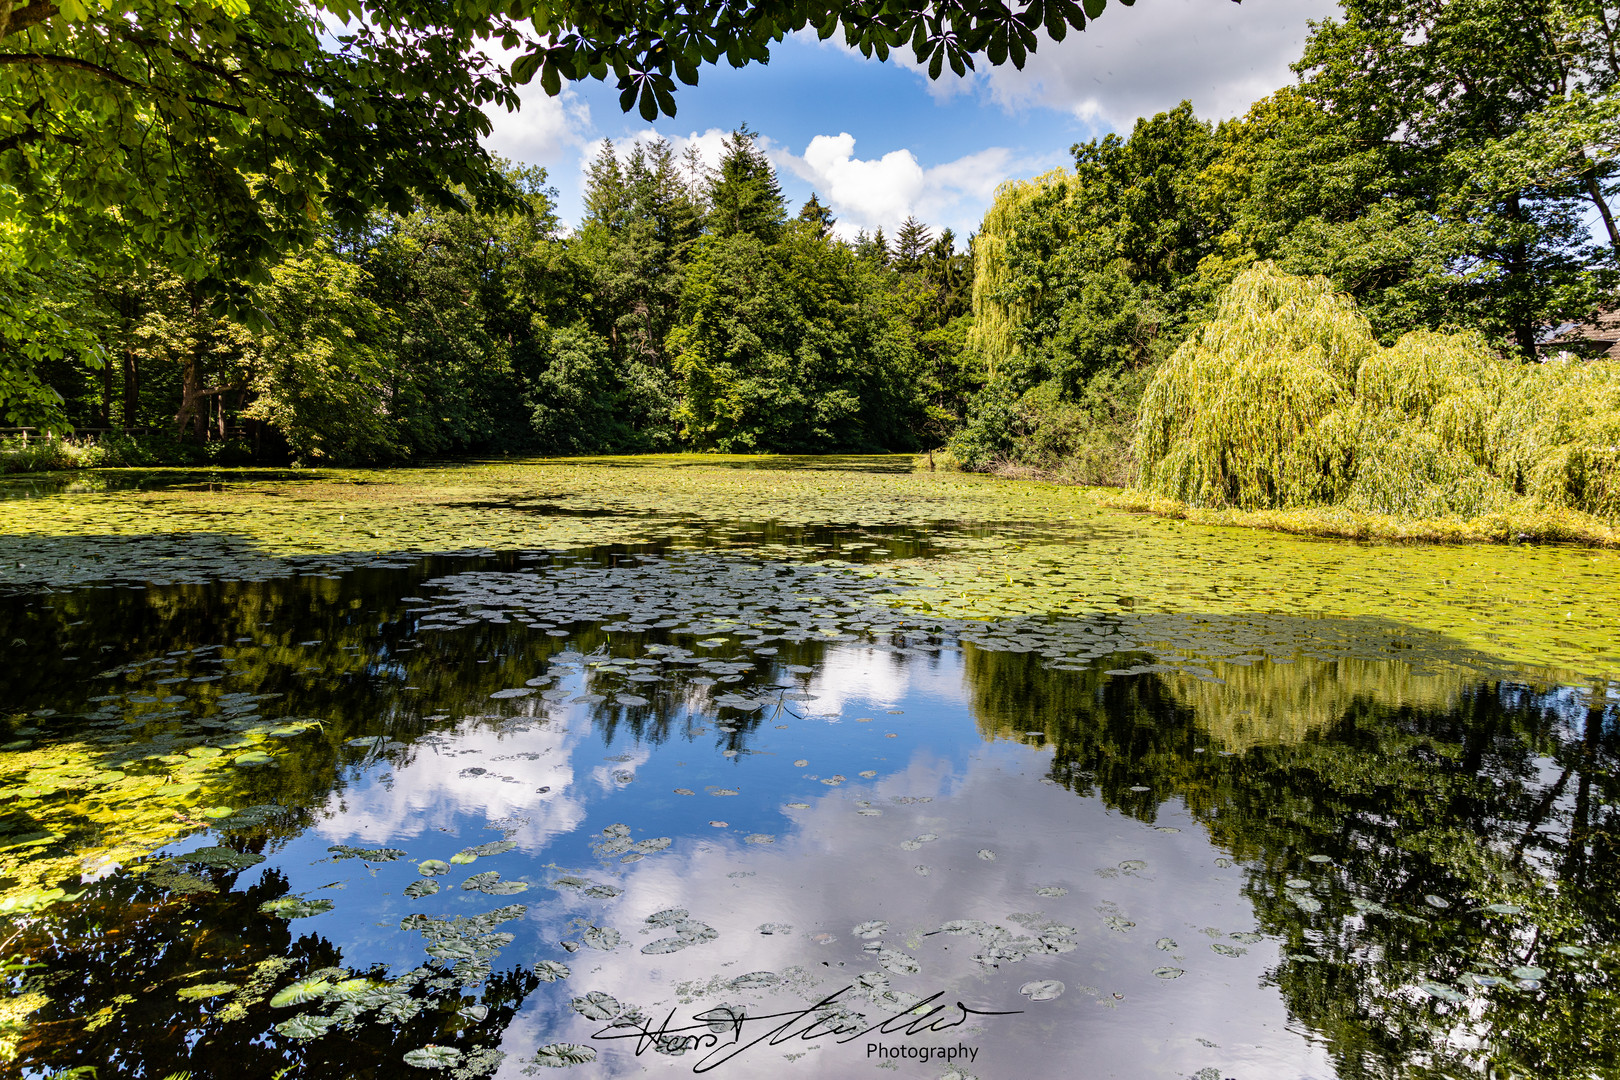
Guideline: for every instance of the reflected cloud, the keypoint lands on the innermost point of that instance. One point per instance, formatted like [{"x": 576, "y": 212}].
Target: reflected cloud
[
  {"x": 472, "y": 771},
  {"x": 986, "y": 846}
]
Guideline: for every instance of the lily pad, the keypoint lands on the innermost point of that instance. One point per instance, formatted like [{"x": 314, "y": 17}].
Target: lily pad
[
  {"x": 299, "y": 993},
  {"x": 1442, "y": 991},
  {"x": 596, "y": 1006},
  {"x": 1042, "y": 990},
  {"x": 561, "y": 1055},
  {"x": 433, "y": 1057},
  {"x": 295, "y": 907}
]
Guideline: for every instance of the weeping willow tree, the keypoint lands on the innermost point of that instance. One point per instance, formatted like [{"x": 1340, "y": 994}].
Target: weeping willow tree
[
  {"x": 1285, "y": 399},
  {"x": 994, "y": 317}
]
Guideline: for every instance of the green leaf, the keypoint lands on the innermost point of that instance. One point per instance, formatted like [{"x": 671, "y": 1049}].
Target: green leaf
[
  {"x": 561, "y": 1055},
  {"x": 551, "y": 79},
  {"x": 299, "y": 993},
  {"x": 666, "y": 100},
  {"x": 294, "y": 907},
  {"x": 524, "y": 67},
  {"x": 433, "y": 1057}
]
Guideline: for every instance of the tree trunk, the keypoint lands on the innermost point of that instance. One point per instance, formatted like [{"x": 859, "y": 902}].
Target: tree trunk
[
  {"x": 1602, "y": 205},
  {"x": 106, "y": 394},
  {"x": 1518, "y": 267},
  {"x": 132, "y": 392},
  {"x": 190, "y": 392}
]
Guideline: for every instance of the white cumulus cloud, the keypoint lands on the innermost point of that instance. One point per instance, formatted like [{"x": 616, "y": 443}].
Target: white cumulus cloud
[
  {"x": 881, "y": 192},
  {"x": 1140, "y": 60},
  {"x": 545, "y": 130}
]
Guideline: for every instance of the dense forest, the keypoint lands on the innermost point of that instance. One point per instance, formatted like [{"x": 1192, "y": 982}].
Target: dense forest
[
  {"x": 689, "y": 309},
  {"x": 1449, "y": 167}
]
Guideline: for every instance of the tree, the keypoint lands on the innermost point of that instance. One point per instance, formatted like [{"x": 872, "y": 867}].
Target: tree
[
  {"x": 911, "y": 244},
  {"x": 646, "y": 47},
  {"x": 215, "y": 136},
  {"x": 816, "y": 213},
  {"x": 744, "y": 196},
  {"x": 210, "y": 139},
  {"x": 872, "y": 247},
  {"x": 1439, "y": 162},
  {"x": 320, "y": 377},
  {"x": 474, "y": 294},
  {"x": 643, "y": 217},
  {"x": 791, "y": 348}
]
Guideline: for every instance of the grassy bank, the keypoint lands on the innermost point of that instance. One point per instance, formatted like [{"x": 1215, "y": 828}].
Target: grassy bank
[
  {"x": 1523, "y": 525},
  {"x": 115, "y": 451}
]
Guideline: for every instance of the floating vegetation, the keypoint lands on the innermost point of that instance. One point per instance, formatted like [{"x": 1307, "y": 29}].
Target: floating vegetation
[
  {"x": 343, "y": 851},
  {"x": 489, "y": 883},
  {"x": 604, "y": 938},
  {"x": 220, "y": 858},
  {"x": 1140, "y": 669},
  {"x": 295, "y": 907},
  {"x": 561, "y": 1055},
  {"x": 1442, "y": 991},
  {"x": 596, "y": 1005},
  {"x": 687, "y": 932},
  {"x": 433, "y": 1057},
  {"x": 1042, "y": 990}
]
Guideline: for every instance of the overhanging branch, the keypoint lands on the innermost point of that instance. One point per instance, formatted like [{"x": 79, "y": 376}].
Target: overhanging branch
[{"x": 14, "y": 20}]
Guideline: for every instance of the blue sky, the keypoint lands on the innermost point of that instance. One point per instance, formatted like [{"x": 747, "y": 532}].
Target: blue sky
[{"x": 878, "y": 141}]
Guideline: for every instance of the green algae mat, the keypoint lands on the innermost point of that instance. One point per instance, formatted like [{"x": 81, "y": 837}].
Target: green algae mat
[
  {"x": 800, "y": 767},
  {"x": 952, "y": 544}
]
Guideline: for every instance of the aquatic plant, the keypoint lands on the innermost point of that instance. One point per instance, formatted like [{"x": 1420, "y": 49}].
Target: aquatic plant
[{"x": 1286, "y": 400}]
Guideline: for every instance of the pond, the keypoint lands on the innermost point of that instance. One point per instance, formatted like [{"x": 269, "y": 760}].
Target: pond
[{"x": 596, "y": 768}]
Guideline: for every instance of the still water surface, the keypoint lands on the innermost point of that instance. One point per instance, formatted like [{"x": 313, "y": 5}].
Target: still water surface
[{"x": 673, "y": 808}]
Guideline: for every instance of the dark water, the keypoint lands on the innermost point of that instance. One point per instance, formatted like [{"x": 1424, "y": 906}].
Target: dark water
[{"x": 694, "y": 813}]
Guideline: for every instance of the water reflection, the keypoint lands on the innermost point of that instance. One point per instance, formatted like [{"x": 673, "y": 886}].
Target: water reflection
[{"x": 1294, "y": 848}]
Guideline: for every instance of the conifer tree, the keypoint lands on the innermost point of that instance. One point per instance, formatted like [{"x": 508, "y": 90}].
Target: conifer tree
[
  {"x": 744, "y": 196},
  {"x": 911, "y": 243},
  {"x": 816, "y": 213}
]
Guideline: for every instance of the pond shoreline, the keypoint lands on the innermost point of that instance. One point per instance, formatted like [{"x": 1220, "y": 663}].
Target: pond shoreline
[
  {"x": 1339, "y": 523},
  {"x": 1529, "y": 526}
]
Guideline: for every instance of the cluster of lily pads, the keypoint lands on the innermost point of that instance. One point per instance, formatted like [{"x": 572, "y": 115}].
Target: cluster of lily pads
[{"x": 990, "y": 550}]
